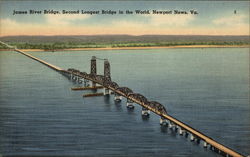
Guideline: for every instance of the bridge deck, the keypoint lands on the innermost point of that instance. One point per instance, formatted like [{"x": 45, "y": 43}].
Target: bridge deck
[
  {"x": 39, "y": 60},
  {"x": 170, "y": 118}
]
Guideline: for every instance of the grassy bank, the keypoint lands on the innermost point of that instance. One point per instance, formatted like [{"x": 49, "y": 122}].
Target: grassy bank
[{"x": 79, "y": 45}]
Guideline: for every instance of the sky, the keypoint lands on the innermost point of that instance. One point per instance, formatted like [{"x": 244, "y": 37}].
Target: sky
[{"x": 213, "y": 18}]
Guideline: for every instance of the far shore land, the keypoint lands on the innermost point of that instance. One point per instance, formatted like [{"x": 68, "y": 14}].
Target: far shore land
[{"x": 136, "y": 48}]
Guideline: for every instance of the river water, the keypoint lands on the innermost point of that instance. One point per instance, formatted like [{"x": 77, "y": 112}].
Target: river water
[{"x": 205, "y": 88}]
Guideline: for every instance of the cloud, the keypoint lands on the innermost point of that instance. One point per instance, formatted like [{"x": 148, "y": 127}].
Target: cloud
[
  {"x": 9, "y": 26},
  {"x": 54, "y": 25},
  {"x": 235, "y": 24},
  {"x": 179, "y": 20},
  {"x": 152, "y": 24},
  {"x": 127, "y": 24},
  {"x": 231, "y": 20},
  {"x": 65, "y": 19}
]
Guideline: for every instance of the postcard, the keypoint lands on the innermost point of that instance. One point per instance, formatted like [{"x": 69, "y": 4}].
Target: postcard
[{"x": 124, "y": 78}]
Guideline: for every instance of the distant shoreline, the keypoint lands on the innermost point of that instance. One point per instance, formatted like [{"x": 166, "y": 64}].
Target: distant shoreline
[{"x": 137, "y": 48}]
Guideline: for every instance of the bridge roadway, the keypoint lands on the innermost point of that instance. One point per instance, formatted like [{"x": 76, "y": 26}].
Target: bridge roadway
[
  {"x": 216, "y": 145},
  {"x": 39, "y": 60}
]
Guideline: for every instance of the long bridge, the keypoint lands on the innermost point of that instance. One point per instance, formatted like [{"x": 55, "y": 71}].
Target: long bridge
[{"x": 110, "y": 86}]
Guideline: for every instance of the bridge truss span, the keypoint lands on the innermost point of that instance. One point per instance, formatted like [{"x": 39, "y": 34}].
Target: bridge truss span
[
  {"x": 136, "y": 97},
  {"x": 157, "y": 107},
  {"x": 124, "y": 91}
]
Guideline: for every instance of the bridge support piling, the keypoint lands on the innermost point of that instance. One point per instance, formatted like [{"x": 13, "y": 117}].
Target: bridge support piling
[
  {"x": 106, "y": 91},
  {"x": 176, "y": 128},
  {"x": 180, "y": 131},
  {"x": 192, "y": 137},
  {"x": 163, "y": 121},
  {"x": 117, "y": 97},
  {"x": 86, "y": 83},
  {"x": 93, "y": 84},
  {"x": 173, "y": 126},
  {"x": 130, "y": 104},
  {"x": 205, "y": 144},
  {"x": 74, "y": 78},
  {"x": 211, "y": 147},
  {"x": 145, "y": 112},
  {"x": 170, "y": 125},
  {"x": 198, "y": 140},
  {"x": 80, "y": 81}
]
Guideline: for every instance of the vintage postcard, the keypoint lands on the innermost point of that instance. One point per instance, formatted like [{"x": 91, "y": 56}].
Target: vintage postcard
[{"x": 124, "y": 78}]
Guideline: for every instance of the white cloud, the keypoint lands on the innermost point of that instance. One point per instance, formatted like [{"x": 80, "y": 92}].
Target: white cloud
[
  {"x": 179, "y": 20},
  {"x": 8, "y": 22},
  {"x": 55, "y": 25},
  {"x": 7, "y": 26},
  {"x": 65, "y": 19},
  {"x": 235, "y": 24},
  {"x": 127, "y": 24},
  {"x": 152, "y": 24},
  {"x": 231, "y": 20}
]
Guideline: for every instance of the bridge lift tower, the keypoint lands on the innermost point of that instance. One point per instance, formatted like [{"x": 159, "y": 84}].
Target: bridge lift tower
[{"x": 93, "y": 71}]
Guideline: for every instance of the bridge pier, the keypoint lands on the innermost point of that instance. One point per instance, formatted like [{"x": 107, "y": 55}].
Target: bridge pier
[
  {"x": 77, "y": 78},
  {"x": 72, "y": 77},
  {"x": 180, "y": 131},
  {"x": 192, "y": 137},
  {"x": 80, "y": 80},
  {"x": 211, "y": 147},
  {"x": 117, "y": 97},
  {"x": 106, "y": 91},
  {"x": 176, "y": 128},
  {"x": 198, "y": 140},
  {"x": 173, "y": 126},
  {"x": 86, "y": 83},
  {"x": 130, "y": 104},
  {"x": 145, "y": 112},
  {"x": 215, "y": 149},
  {"x": 92, "y": 84},
  {"x": 205, "y": 144},
  {"x": 170, "y": 125},
  {"x": 163, "y": 121}
]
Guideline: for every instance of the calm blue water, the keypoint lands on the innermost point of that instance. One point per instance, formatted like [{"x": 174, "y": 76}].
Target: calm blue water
[{"x": 206, "y": 88}]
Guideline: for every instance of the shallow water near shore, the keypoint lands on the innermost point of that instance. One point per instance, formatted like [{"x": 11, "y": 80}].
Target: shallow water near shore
[{"x": 207, "y": 88}]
